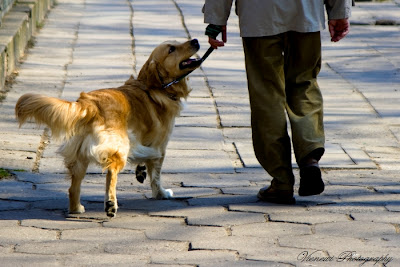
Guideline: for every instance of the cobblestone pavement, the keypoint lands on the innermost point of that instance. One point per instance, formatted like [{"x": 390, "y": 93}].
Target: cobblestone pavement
[{"x": 216, "y": 219}]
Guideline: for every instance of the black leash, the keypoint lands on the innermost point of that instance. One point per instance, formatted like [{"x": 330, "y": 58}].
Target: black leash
[{"x": 205, "y": 56}]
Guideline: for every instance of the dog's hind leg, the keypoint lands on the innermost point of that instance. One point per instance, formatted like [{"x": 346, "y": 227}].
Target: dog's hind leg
[
  {"x": 116, "y": 164},
  {"x": 77, "y": 171},
  {"x": 154, "y": 171}
]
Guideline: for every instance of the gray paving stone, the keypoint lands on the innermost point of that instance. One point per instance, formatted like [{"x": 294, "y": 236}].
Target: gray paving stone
[
  {"x": 16, "y": 235},
  {"x": 105, "y": 259},
  {"x": 264, "y": 207},
  {"x": 199, "y": 161},
  {"x": 22, "y": 259},
  {"x": 212, "y": 180},
  {"x": 270, "y": 229},
  {"x": 355, "y": 229},
  {"x": 379, "y": 217},
  {"x": 309, "y": 217},
  {"x": 222, "y": 200},
  {"x": 185, "y": 233},
  {"x": 58, "y": 247},
  {"x": 194, "y": 257},
  {"x": 13, "y": 205},
  {"x": 196, "y": 138},
  {"x": 147, "y": 247},
  {"x": 215, "y": 216},
  {"x": 66, "y": 224}
]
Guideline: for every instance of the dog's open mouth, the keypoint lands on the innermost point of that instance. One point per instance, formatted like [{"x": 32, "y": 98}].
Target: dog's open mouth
[{"x": 190, "y": 63}]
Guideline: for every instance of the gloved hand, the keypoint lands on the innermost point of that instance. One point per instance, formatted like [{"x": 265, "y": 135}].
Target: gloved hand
[{"x": 213, "y": 30}]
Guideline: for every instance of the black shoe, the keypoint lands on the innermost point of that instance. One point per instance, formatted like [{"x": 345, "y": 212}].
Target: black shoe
[
  {"x": 311, "y": 181},
  {"x": 270, "y": 194}
]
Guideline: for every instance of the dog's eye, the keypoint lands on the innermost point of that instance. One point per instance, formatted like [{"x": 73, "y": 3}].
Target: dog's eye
[{"x": 172, "y": 49}]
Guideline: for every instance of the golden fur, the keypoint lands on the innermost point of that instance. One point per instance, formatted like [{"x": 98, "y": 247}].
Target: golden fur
[{"x": 110, "y": 126}]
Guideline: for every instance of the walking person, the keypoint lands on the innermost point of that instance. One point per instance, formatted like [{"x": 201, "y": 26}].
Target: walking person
[{"x": 282, "y": 47}]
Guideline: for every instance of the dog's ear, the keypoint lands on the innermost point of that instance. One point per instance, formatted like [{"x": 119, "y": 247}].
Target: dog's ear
[{"x": 150, "y": 75}]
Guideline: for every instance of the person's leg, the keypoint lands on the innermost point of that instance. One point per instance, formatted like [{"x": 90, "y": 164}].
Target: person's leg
[
  {"x": 305, "y": 106},
  {"x": 266, "y": 83}
]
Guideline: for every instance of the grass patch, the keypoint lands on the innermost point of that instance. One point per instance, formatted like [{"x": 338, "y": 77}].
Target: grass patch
[{"x": 4, "y": 173}]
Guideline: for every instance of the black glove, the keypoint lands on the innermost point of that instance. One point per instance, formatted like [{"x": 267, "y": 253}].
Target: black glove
[{"x": 213, "y": 30}]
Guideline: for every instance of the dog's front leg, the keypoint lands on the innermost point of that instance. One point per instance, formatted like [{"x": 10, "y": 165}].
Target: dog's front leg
[
  {"x": 154, "y": 172},
  {"x": 110, "y": 201}
]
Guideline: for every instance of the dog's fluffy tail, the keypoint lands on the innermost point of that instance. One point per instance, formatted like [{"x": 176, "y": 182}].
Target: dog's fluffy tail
[{"x": 63, "y": 117}]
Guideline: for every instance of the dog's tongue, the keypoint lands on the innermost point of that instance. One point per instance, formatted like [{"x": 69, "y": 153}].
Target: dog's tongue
[{"x": 189, "y": 62}]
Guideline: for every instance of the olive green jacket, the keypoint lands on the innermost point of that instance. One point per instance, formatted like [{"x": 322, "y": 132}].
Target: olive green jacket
[{"x": 270, "y": 17}]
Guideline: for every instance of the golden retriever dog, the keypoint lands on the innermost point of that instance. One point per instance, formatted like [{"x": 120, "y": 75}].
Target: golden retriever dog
[{"x": 111, "y": 126}]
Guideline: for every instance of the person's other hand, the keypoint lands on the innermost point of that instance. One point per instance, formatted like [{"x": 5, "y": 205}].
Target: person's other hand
[
  {"x": 338, "y": 28},
  {"x": 215, "y": 43}
]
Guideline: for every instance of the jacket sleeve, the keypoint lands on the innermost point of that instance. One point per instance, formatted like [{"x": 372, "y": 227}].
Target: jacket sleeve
[
  {"x": 217, "y": 11},
  {"x": 338, "y": 9}
]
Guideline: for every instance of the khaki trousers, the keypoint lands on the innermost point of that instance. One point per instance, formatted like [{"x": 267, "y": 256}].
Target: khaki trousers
[{"x": 282, "y": 82}]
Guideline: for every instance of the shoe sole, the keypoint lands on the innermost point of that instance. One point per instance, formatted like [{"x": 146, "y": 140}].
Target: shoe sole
[{"x": 287, "y": 201}]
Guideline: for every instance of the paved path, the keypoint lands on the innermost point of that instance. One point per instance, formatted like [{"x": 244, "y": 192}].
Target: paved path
[{"x": 216, "y": 219}]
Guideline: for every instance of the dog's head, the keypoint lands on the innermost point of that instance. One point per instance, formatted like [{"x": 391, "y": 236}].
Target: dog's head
[{"x": 169, "y": 61}]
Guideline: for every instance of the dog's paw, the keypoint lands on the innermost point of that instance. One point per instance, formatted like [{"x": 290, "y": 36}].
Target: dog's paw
[
  {"x": 169, "y": 193},
  {"x": 77, "y": 210},
  {"x": 110, "y": 208},
  {"x": 164, "y": 194},
  {"x": 141, "y": 173}
]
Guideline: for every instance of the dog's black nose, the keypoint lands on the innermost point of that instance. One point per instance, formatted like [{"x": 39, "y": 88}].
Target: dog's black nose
[{"x": 195, "y": 43}]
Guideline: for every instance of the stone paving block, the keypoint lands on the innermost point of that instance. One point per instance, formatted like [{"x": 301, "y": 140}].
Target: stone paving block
[
  {"x": 348, "y": 190},
  {"x": 198, "y": 107},
  {"x": 393, "y": 207},
  {"x": 376, "y": 199},
  {"x": 146, "y": 247},
  {"x": 198, "y": 85},
  {"x": 212, "y": 180},
  {"x": 16, "y": 235},
  {"x": 105, "y": 259},
  {"x": 66, "y": 224},
  {"x": 356, "y": 229},
  {"x": 264, "y": 207},
  {"x": 196, "y": 138},
  {"x": 9, "y": 223},
  {"x": 12, "y": 205},
  {"x": 270, "y": 230},
  {"x": 152, "y": 205},
  {"x": 379, "y": 217},
  {"x": 309, "y": 217},
  {"x": 199, "y": 161},
  {"x": 58, "y": 247},
  {"x": 41, "y": 178},
  {"x": 248, "y": 190},
  {"x": 143, "y": 222},
  {"x": 185, "y": 233},
  {"x": 12, "y": 141},
  {"x": 196, "y": 257},
  {"x": 22, "y": 259},
  {"x": 222, "y": 200},
  {"x": 205, "y": 120},
  {"x": 14, "y": 190},
  {"x": 214, "y": 216},
  {"x": 348, "y": 208},
  {"x": 20, "y": 160},
  {"x": 103, "y": 235}
]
